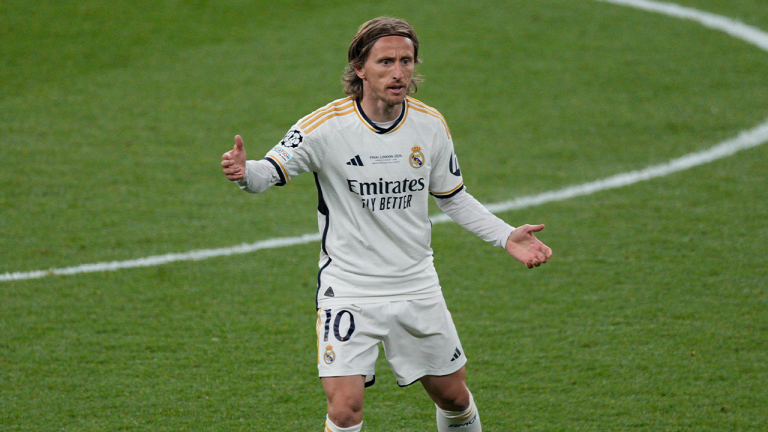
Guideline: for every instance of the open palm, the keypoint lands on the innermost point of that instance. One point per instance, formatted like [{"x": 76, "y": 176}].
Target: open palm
[{"x": 523, "y": 245}]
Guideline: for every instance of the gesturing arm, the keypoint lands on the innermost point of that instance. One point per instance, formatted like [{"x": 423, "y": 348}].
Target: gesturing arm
[
  {"x": 252, "y": 176},
  {"x": 465, "y": 210},
  {"x": 520, "y": 243}
]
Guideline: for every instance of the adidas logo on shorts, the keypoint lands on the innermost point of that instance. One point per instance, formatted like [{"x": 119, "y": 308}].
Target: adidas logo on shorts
[{"x": 456, "y": 354}]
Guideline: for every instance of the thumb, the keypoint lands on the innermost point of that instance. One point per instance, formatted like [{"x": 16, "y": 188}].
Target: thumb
[
  {"x": 238, "y": 143},
  {"x": 535, "y": 228}
]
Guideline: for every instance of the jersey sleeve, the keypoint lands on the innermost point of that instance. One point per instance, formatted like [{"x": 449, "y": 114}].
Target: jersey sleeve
[
  {"x": 445, "y": 178},
  {"x": 259, "y": 176},
  {"x": 465, "y": 210},
  {"x": 293, "y": 155}
]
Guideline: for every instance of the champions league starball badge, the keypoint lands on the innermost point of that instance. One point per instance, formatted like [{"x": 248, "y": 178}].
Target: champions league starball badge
[
  {"x": 417, "y": 157},
  {"x": 329, "y": 355},
  {"x": 292, "y": 139}
]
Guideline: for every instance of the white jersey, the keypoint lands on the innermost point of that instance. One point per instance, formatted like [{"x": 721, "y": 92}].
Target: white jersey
[{"x": 373, "y": 189}]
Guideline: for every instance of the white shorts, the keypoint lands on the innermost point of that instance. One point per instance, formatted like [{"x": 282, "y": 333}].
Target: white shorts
[{"x": 418, "y": 336}]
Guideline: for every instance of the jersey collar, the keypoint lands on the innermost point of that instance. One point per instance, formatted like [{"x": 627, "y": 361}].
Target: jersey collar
[{"x": 373, "y": 126}]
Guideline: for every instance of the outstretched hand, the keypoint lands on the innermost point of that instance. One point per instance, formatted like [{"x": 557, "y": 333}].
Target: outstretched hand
[
  {"x": 526, "y": 248},
  {"x": 233, "y": 161}
]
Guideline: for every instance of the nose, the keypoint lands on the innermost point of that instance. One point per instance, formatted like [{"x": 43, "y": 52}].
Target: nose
[{"x": 397, "y": 72}]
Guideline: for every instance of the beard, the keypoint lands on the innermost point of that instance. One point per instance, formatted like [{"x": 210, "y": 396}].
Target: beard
[{"x": 385, "y": 95}]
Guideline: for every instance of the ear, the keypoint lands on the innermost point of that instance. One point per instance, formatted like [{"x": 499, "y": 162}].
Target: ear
[{"x": 360, "y": 72}]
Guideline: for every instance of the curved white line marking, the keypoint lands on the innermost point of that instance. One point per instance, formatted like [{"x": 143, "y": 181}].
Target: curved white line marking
[
  {"x": 734, "y": 28},
  {"x": 745, "y": 140},
  {"x": 748, "y": 139}
]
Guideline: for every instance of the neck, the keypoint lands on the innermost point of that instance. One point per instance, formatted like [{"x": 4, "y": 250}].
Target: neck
[{"x": 381, "y": 111}]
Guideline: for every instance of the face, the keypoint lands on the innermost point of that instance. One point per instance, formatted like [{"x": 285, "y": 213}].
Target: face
[{"x": 387, "y": 72}]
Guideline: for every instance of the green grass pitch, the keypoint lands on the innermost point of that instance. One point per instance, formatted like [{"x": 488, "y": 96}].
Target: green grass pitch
[{"x": 652, "y": 315}]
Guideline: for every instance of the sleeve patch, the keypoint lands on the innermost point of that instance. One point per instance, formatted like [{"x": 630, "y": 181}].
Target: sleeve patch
[
  {"x": 453, "y": 165},
  {"x": 282, "y": 153},
  {"x": 293, "y": 139}
]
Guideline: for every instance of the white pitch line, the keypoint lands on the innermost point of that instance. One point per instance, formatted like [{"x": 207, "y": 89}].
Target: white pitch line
[
  {"x": 745, "y": 140},
  {"x": 164, "y": 259},
  {"x": 730, "y": 26}
]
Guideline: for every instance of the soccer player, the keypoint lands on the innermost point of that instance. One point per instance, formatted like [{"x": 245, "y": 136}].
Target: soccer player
[{"x": 376, "y": 156}]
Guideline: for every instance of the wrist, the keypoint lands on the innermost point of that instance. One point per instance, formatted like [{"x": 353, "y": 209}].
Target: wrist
[{"x": 507, "y": 236}]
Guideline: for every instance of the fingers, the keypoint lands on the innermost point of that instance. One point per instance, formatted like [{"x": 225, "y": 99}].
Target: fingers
[
  {"x": 234, "y": 174},
  {"x": 539, "y": 258},
  {"x": 533, "y": 263},
  {"x": 231, "y": 169},
  {"x": 544, "y": 253},
  {"x": 238, "y": 143},
  {"x": 238, "y": 148},
  {"x": 233, "y": 161},
  {"x": 228, "y": 165}
]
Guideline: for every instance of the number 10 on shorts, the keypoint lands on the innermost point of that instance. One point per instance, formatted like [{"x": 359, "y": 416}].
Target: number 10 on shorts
[{"x": 338, "y": 324}]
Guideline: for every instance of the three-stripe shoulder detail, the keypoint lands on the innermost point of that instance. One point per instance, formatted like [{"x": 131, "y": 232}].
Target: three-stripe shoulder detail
[
  {"x": 420, "y": 106},
  {"x": 337, "y": 108}
]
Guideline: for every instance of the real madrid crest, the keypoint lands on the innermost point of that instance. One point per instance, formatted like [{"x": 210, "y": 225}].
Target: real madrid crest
[
  {"x": 329, "y": 355},
  {"x": 417, "y": 157}
]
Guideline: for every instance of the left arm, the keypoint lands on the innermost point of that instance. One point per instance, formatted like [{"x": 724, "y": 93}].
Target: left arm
[
  {"x": 520, "y": 243},
  {"x": 465, "y": 210},
  {"x": 469, "y": 213}
]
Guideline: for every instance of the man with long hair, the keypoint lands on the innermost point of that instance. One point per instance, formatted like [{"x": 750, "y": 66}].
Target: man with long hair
[{"x": 376, "y": 156}]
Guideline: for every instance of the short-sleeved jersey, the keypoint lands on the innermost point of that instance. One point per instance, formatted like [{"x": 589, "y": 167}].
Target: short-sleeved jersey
[{"x": 373, "y": 189}]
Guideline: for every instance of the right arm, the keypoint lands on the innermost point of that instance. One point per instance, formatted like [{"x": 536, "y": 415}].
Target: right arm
[{"x": 252, "y": 176}]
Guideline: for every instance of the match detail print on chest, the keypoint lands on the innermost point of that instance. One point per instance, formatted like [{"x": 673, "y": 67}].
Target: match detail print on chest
[{"x": 387, "y": 180}]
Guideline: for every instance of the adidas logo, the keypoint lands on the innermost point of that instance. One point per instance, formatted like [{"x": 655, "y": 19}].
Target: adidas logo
[
  {"x": 329, "y": 293},
  {"x": 355, "y": 161},
  {"x": 456, "y": 355}
]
